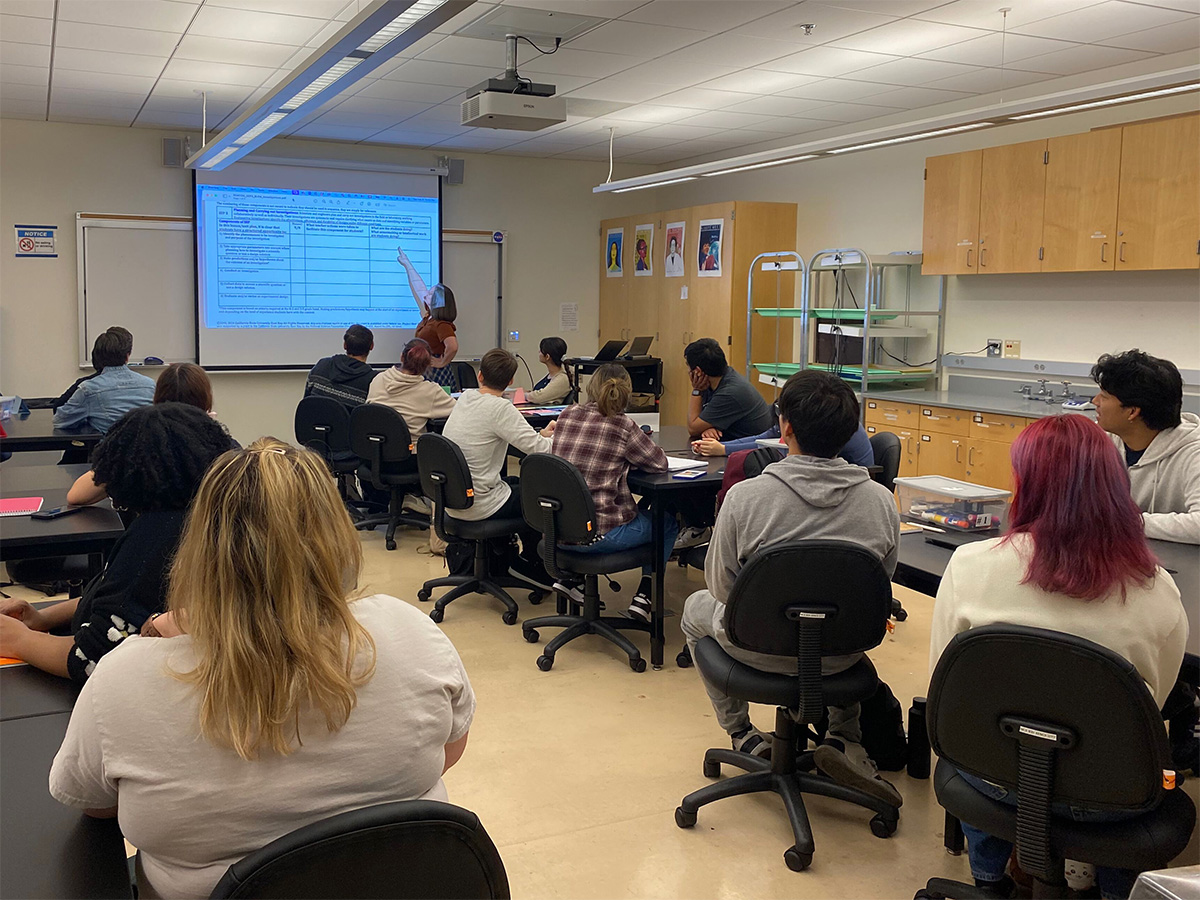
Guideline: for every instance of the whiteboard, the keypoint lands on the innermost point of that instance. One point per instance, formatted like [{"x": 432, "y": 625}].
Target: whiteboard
[{"x": 139, "y": 272}]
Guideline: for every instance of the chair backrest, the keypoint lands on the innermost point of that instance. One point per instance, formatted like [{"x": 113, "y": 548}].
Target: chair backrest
[
  {"x": 464, "y": 375},
  {"x": 445, "y": 476},
  {"x": 408, "y": 849},
  {"x": 379, "y": 434},
  {"x": 323, "y": 425},
  {"x": 886, "y": 447},
  {"x": 837, "y": 585},
  {"x": 1109, "y": 745},
  {"x": 556, "y": 502}
]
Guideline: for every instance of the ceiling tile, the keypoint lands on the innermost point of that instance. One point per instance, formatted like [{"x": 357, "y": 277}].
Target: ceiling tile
[
  {"x": 222, "y": 22},
  {"x": 81, "y": 96},
  {"x": 828, "y": 61},
  {"x": 760, "y": 81},
  {"x": 636, "y": 39},
  {"x": 109, "y": 63},
  {"x": 1103, "y": 21},
  {"x": 851, "y": 112},
  {"x": 585, "y": 63},
  {"x": 117, "y": 40},
  {"x": 130, "y": 84},
  {"x": 985, "y": 13},
  {"x": 206, "y": 73},
  {"x": 908, "y": 37},
  {"x": 657, "y": 157},
  {"x": 217, "y": 109},
  {"x": 333, "y": 132},
  {"x": 985, "y": 81},
  {"x": 701, "y": 98},
  {"x": 652, "y": 112},
  {"x": 721, "y": 118},
  {"x": 329, "y": 29},
  {"x": 832, "y": 23},
  {"x": 25, "y": 29},
  {"x": 704, "y": 14},
  {"x": 1163, "y": 39},
  {"x": 373, "y": 121},
  {"x": 412, "y": 51},
  {"x": 994, "y": 48},
  {"x": 397, "y": 110},
  {"x": 189, "y": 90},
  {"x": 22, "y": 109},
  {"x": 425, "y": 71},
  {"x": 778, "y": 106},
  {"x": 674, "y": 73},
  {"x": 913, "y": 97},
  {"x": 839, "y": 89},
  {"x": 25, "y": 54},
  {"x": 242, "y": 53},
  {"x": 598, "y": 153},
  {"x": 683, "y": 132},
  {"x": 1081, "y": 58},
  {"x": 168, "y": 119},
  {"x": 1192, "y": 6},
  {"x": 444, "y": 119},
  {"x": 23, "y": 92},
  {"x": 92, "y": 117},
  {"x": 608, "y": 9},
  {"x": 471, "y": 51},
  {"x": 407, "y": 137},
  {"x": 463, "y": 19},
  {"x": 481, "y": 139},
  {"x": 41, "y": 9},
  {"x": 316, "y": 9},
  {"x": 911, "y": 71},
  {"x": 623, "y": 88},
  {"x": 153, "y": 15},
  {"x": 891, "y": 7},
  {"x": 737, "y": 50}
]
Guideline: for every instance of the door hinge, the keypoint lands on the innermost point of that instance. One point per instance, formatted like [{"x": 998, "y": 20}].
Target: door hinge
[
  {"x": 1046, "y": 158},
  {"x": 1041, "y": 252}
]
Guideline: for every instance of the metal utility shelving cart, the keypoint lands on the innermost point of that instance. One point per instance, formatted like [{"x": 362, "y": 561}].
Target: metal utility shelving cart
[{"x": 874, "y": 321}]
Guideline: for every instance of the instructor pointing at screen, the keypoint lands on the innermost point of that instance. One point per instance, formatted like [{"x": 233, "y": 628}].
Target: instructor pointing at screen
[{"x": 437, "y": 325}]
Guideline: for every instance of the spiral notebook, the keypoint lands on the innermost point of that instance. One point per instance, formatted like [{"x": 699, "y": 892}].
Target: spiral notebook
[{"x": 20, "y": 506}]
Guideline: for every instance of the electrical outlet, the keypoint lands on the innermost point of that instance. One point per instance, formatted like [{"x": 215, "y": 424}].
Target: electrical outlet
[
  {"x": 993, "y": 346},
  {"x": 1012, "y": 349},
  {"x": 514, "y": 337}
]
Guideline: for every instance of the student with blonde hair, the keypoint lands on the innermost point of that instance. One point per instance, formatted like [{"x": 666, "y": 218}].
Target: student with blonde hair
[
  {"x": 277, "y": 695},
  {"x": 604, "y": 444}
]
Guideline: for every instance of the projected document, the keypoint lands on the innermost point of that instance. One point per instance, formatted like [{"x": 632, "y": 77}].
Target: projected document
[{"x": 279, "y": 258}]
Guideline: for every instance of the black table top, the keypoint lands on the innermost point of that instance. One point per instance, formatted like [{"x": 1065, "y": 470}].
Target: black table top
[
  {"x": 37, "y": 432},
  {"x": 635, "y": 363},
  {"x": 51, "y": 850},
  {"x": 91, "y": 530},
  {"x": 26, "y": 691}
]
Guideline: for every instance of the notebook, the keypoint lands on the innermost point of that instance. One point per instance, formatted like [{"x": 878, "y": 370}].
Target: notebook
[
  {"x": 675, "y": 463},
  {"x": 20, "y": 506}
]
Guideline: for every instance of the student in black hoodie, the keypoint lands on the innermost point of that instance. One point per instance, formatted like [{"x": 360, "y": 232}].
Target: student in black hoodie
[{"x": 345, "y": 377}]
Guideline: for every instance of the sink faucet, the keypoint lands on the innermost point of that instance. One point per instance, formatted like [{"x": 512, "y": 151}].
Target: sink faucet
[
  {"x": 1043, "y": 391},
  {"x": 1067, "y": 393},
  {"x": 1024, "y": 391}
]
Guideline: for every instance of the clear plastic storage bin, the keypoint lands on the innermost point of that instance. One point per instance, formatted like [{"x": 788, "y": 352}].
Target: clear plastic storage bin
[{"x": 953, "y": 504}]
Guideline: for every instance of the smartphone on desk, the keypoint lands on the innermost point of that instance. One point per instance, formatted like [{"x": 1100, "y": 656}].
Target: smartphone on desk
[{"x": 57, "y": 512}]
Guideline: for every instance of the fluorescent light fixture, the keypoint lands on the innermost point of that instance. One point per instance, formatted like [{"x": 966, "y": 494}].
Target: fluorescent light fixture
[
  {"x": 920, "y": 136},
  {"x": 642, "y": 187},
  {"x": 381, "y": 30},
  {"x": 761, "y": 165},
  {"x": 1111, "y": 101}
]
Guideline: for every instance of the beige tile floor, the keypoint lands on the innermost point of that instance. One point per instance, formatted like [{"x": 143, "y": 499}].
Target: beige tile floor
[{"x": 576, "y": 772}]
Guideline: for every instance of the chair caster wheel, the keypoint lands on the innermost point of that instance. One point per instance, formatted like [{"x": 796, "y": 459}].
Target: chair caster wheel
[
  {"x": 901, "y": 615},
  {"x": 509, "y": 617},
  {"x": 437, "y": 615},
  {"x": 797, "y": 861},
  {"x": 638, "y": 665},
  {"x": 535, "y": 597},
  {"x": 712, "y": 768},
  {"x": 531, "y": 635},
  {"x": 545, "y": 662},
  {"x": 683, "y": 818},
  {"x": 391, "y": 545},
  {"x": 684, "y": 660},
  {"x": 882, "y": 828},
  {"x": 424, "y": 596}
]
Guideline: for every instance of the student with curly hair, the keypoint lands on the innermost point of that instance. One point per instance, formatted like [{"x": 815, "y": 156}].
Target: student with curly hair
[{"x": 151, "y": 463}]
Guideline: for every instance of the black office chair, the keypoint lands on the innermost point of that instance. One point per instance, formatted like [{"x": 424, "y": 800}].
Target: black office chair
[
  {"x": 556, "y": 501},
  {"x": 322, "y": 424},
  {"x": 886, "y": 447},
  {"x": 447, "y": 482},
  {"x": 464, "y": 376},
  {"x": 408, "y": 850},
  {"x": 379, "y": 436},
  {"x": 802, "y": 599},
  {"x": 1058, "y": 719}
]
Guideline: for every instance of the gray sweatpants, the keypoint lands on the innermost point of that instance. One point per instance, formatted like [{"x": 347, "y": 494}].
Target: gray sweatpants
[{"x": 704, "y": 616}]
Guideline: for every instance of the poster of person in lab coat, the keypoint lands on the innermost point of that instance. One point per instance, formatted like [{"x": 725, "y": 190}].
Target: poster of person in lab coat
[{"x": 673, "y": 262}]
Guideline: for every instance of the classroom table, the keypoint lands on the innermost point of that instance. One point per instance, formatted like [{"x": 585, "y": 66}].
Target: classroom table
[
  {"x": 37, "y": 432},
  {"x": 26, "y": 692},
  {"x": 51, "y": 850},
  {"x": 91, "y": 530}
]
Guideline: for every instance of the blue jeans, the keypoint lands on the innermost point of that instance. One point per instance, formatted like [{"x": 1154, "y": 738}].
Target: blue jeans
[
  {"x": 989, "y": 854},
  {"x": 637, "y": 531}
]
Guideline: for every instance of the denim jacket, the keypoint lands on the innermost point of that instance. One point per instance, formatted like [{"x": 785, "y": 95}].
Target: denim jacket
[{"x": 100, "y": 401}]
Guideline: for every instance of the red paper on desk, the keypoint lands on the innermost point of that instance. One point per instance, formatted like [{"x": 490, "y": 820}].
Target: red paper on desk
[
  {"x": 519, "y": 396},
  {"x": 20, "y": 506}
]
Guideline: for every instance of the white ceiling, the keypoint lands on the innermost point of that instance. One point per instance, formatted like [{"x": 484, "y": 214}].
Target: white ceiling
[{"x": 678, "y": 79}]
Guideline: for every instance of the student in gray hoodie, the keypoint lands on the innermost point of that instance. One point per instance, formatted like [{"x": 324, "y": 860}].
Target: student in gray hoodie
[
  {"x": 1139, "y": 404},
  {"x": 810, "y": 494}
]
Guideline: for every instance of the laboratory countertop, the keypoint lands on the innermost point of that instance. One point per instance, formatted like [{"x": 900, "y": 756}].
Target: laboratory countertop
[{"x": 1013, "y": 405}]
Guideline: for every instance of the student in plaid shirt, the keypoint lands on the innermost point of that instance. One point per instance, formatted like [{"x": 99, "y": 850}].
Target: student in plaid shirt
[{"x": 604, "y": 443}]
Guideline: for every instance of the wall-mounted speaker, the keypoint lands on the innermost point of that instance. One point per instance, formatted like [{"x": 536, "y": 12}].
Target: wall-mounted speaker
[
  {"x": 456, "y": 167},
  {"x": 172, "y": 153}
]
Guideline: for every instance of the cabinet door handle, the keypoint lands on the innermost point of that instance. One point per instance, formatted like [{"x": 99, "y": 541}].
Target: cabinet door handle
[
  {"x": 970, "y": 456},
  {"x": 1121, "y": 251},
  {"x": 969, "y": 257},
  {"x": 982, "y": 257},
  {"x": 1103, "y": 250},
  {"x": 957, "y": 450}
]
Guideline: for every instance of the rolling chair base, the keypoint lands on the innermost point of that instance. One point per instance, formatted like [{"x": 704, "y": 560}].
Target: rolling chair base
[
  {"x": 461, "y": 585},
  {"x": 780, "y": 775},
  {"x": 607, "y": 627},
  {"x": 368, "y": 523}
]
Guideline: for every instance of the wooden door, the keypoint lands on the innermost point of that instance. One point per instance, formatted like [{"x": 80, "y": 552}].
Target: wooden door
[
  {"x": 1012, "y": 195},
  {"x": 989, "y": 464},
  {"x": 1079, "y": 226},
  {"x": 950, "y": 229},
  {"x": 1158, "y": 217},
  {"x": 942, "y": 454}
]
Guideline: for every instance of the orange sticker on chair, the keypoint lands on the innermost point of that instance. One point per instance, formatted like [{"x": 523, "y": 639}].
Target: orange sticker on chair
[{"x": 470, "y": 492}]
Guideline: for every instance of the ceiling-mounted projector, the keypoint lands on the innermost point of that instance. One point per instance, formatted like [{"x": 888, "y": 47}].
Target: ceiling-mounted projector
[{"x": 511, "y": 102}]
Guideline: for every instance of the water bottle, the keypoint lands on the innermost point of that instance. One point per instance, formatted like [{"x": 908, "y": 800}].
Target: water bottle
[{"x": 918, "y": 740}]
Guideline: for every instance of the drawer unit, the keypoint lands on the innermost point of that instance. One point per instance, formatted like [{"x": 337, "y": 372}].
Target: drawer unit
[
  {"x": 891, "y": 415},
  {"x": 945, "y": 421},
  {"x": 995, "y": 427},
  {"x": 909, "y": 439}
]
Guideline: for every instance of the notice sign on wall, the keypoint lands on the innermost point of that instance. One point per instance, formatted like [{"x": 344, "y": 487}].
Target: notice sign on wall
[{"x": 36, "y": 240}]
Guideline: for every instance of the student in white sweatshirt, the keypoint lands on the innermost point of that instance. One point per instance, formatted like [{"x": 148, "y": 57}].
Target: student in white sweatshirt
[
  {"x": 1139, "y": 404},
  {"x": 1074, "y": 560}
]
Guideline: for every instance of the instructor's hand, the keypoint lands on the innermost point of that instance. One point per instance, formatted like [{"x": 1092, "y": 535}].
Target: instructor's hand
[{"x": 402, "y": 257}]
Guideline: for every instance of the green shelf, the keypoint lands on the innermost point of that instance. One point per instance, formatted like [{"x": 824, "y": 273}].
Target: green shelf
[
  {"x": 778, "y": 369},
  {"x": 841, "y": 315},
  {"x": 849, "y": 373}
]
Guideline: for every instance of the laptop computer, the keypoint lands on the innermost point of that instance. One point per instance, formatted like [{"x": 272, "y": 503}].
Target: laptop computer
[
  {"x": 640, "y": 347},
  {"x": 609, "y": 351}
]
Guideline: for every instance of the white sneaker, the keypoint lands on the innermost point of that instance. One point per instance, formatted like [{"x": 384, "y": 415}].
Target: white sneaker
[
  {"x": 692, "y": 537},
  {"x": 413, "y": 503},
  {"x": 574, "y": 594}
]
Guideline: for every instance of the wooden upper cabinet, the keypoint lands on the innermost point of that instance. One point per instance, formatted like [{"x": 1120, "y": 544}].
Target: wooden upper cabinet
[
  {"x": 1012, "y": 196},
  {"x": 950, "y": 229},
  {"x": 1079, "y": 227},
  {"x": 1158, "y": 216}
]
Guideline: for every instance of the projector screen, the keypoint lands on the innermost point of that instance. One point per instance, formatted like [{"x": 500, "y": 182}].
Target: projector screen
[{"x": 287, "y": 257}]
